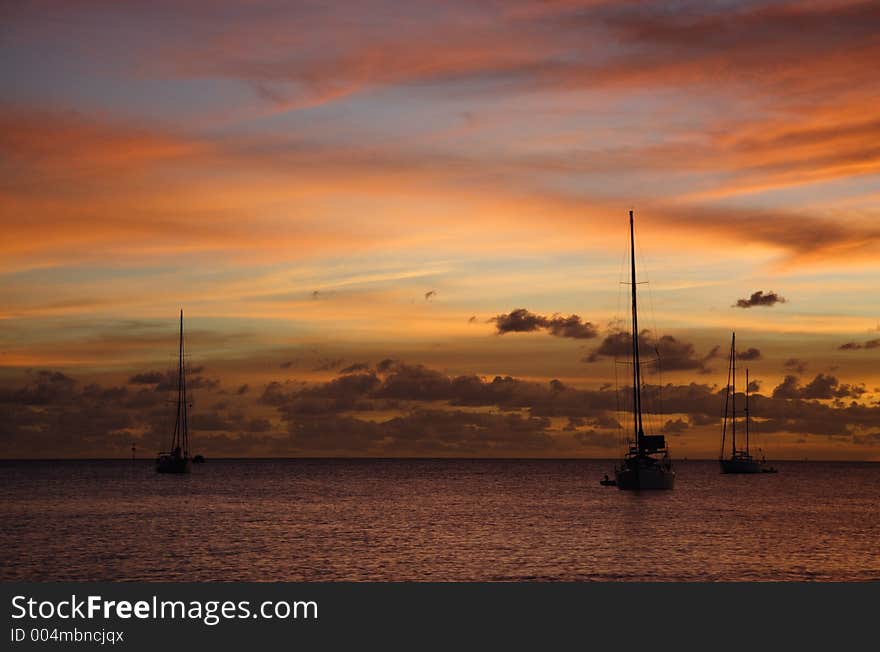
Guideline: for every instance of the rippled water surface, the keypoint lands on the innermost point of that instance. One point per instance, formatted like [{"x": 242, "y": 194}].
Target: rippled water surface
[{"x": 274, "y": 520}]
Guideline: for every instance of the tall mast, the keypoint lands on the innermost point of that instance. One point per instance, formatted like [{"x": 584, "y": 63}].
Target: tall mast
[
  {"x": 181, "y": 427},
  {"x": 733, "y": 392},
  {"x": 747, "y": 410},
  {"x": 637, "y": 390},
  {"x": 181, "y": 395}
]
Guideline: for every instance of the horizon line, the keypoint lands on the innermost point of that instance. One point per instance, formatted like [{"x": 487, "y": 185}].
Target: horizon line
[{"x": 409, "y": 458}]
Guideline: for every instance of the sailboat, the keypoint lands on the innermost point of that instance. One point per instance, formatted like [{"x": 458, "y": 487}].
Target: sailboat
[
  {"x": 740, "y": 460},
  {"x": 178, "y": 460},
  {"x": 647, "y": 464}
]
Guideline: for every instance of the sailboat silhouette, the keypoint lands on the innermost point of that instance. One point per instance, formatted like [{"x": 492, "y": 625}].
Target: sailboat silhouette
[
  {"x": 646, "y": 465},
  {"x": 740, "y": 460},
  {"x": 177, "y": 460}
]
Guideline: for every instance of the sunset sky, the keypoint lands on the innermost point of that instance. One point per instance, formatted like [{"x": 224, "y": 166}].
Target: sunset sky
[{"x": 370, "y": 210}]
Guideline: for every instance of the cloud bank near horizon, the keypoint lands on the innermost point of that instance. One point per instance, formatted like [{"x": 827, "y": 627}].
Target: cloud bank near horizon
[{"x": 395, "y": 408}]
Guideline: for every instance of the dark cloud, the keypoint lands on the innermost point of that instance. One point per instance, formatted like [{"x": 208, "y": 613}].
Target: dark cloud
[
  {"x": 417, "y": 382},
  {"x": 796, "y": 365},
  {"x": 148, "y": 378},
  {"x": 404, "y": 385},
  {"x": 821, "y": 387},
  {"x": 788, "y": 388},
  {"x": 316, "y": 294},
  {"x": 872, "y": 439},
  {"x": 808, "y": 417},
  {"x": 243, "y": 389},
  {"x": 605, "y": 421},
  {"x": 853, "y": 346},
  {"x": 52, "y": 416},
  {"x": 699, "y": 419},
  {"x": 676, "y": 427},
  {"x": 105, "y": 394},
  {"x": 286, "y": 365},
  {"x": 385, "y": 365},
  {"x": 357, "y": 366},
  {"x": 618, "y": 344},
  {"x": 343, "y": 394},
  {"x": 760, "y": 299},
  {"x": 273, "y": 394},
  {"x": 519, "y": 321},
  {"x": 396, "y": 383},
  {"x": 42, "y": 388},
  {"x": 523, "y": 321},
  {"x": 164, "y": 381},
  {"x": 430, "y": 294},
  {"x": 404, "y": 409},
  {"x": 754, "y": 386},
  {"x": 749, "y": 354},
  {"x": 571, "y": 326},
  {"x": 472, "y": 319},
  {"x": 230, "y": 422},
  {"x": 199, "y": 382},
  {"x": 673, "y": 354}
]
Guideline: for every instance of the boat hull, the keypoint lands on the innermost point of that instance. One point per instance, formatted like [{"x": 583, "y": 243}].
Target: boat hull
[
  {"x": 634, "y": 477},
  {"x": 743, "y": 466},
  {"x": 173, "y": 465}
]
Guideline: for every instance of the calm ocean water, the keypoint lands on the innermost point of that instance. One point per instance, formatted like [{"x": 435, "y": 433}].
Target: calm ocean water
[{"x": 289, "y": 520}]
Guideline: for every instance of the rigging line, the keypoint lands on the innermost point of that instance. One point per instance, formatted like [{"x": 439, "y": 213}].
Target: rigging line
[
  {"x": 163, "y": 423},
  {"x": 622, "y": 418},
  {"x": 620, "y": 435},
  {"x": 659, "y": 383},
  {"x": 731, "y": 392},
  {"x": 747, "y": 411},
  {"x": 726, "y": 402},
  {"x": 654, "y": 415},
  {"x": 187, "y": 399}
]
